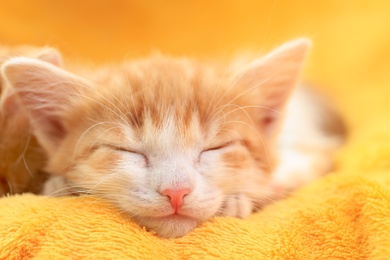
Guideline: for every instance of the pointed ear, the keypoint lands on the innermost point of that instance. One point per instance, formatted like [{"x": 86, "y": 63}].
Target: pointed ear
[
  {"x": 45, "y": 92},
  {"x": 8, "y": 103},
  {"x": 273, "y": 79}
]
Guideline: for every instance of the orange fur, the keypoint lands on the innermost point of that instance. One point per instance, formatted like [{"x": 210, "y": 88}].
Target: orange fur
[{"x": 128, "y": 132}]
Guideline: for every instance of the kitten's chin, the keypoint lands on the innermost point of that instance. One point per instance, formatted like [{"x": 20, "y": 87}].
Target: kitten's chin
[{"x": 170, "y": 226}]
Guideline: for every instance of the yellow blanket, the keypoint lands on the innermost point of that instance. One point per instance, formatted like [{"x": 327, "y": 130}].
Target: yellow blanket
[{"x": 343, "y": 216}]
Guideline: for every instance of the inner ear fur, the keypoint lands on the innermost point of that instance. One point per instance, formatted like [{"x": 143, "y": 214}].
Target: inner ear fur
[
  {"x": 44, "y": 91},
  {"x": 271, "y": 80}
]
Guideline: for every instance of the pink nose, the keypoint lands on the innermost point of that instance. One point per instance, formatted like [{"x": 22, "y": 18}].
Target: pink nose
[{"x": 176, "y": 197}]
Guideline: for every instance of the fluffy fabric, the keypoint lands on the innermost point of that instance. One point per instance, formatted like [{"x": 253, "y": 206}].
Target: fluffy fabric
[{"x": 344, "y": 215}]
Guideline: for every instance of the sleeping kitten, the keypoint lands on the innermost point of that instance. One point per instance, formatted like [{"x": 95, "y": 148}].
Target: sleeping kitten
[{"x": 174, "y": 142}]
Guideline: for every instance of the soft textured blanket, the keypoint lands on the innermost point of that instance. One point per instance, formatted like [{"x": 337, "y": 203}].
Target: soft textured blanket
[{"x": 343, "y": 216}]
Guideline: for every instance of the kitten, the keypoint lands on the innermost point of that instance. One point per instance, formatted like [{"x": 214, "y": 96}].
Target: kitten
[
  {"x": 173, "y": 142},
  {"x": 20, "y": 155}
]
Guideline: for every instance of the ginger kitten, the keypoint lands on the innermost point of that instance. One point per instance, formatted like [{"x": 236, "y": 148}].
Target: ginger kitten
[{"x": 173, "y": 142}]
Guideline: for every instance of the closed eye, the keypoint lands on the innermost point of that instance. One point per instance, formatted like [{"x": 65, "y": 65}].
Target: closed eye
[
  {"x": 219, "y": 147},
  {"x": 215, "y": 150},
  {"x": 127, "y": 150}
]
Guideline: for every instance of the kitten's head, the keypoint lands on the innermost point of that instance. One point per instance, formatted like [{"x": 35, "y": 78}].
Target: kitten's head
[{"x": 164, "y": 139}]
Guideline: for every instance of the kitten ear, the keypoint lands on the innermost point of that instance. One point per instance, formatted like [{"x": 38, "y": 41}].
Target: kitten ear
[
  {"x": 45, "y": 92},
  {"x": 273, "y": 78},
  {"x": 8, "y": 103}
]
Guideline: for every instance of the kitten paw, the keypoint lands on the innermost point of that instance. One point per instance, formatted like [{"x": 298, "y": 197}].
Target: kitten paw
[{"x": 236, "y": 205}]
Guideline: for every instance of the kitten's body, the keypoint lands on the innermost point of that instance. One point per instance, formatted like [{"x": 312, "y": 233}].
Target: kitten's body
[
  {"x": 310, "y": 134},
  {"x": 174, "y": 142}
]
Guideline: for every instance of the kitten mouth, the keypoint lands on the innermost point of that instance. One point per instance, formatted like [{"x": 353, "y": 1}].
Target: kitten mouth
[{"x": 175, "y": 216}]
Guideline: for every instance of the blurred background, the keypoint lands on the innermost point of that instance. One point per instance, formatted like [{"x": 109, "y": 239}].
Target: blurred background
[{"x": 350, "y": 60}]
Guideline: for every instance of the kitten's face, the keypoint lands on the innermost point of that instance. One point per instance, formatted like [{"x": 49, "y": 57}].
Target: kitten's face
[
  {"x": 170, "y": 126},
  {"x": 166, "y": 140}
]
